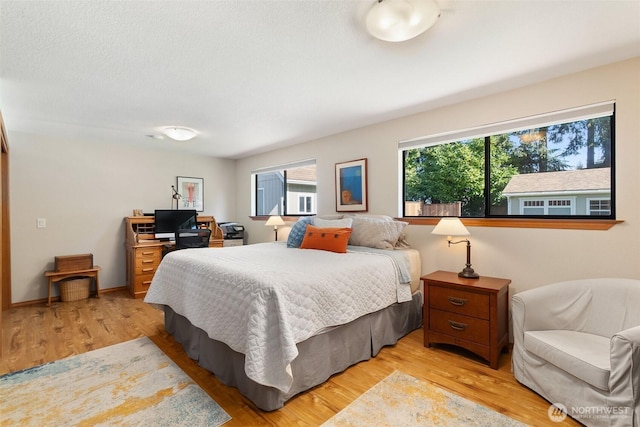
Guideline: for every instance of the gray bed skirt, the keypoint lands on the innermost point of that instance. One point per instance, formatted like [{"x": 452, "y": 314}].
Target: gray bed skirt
[{"x": 319, "y": 356}]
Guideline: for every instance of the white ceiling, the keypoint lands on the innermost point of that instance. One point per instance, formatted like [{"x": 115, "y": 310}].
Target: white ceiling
[{"x": 252, "y": 75}]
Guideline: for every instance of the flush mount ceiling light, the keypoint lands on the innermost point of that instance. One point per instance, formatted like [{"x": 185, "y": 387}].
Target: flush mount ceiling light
[
  {"x": 400, "y": 20},
  {"x": 179, "y": 133}
]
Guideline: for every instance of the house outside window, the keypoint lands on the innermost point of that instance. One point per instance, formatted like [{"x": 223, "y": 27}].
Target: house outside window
[
  {"x": 553, "y": 165},
  {"x": 278, "y": 190}
]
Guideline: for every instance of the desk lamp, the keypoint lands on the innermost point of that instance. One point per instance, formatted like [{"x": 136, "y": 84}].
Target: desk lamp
[
  {"x": 275, "y": 220},
  {"x": 452, "y": 226}
]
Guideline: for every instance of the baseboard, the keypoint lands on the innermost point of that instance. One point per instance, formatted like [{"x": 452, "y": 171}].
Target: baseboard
[{"x": 57, "y": 298}]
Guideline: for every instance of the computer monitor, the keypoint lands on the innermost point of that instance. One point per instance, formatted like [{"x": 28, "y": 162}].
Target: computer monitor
[{"x": 168, "y": 221}]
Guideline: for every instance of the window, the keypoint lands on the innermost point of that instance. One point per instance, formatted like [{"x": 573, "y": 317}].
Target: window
[
  {"x": 599, "y": 207},
  {"x": 547, "y": 207},
  {"x": 558, "y": 165},
  {"x": 285, "y": 190},
  {"x": 533, "y": 207},
  {"x": 305, "y": 204}
]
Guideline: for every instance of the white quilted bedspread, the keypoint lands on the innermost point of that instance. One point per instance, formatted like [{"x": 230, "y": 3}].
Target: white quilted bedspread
[{"x": 263, "y": 299}]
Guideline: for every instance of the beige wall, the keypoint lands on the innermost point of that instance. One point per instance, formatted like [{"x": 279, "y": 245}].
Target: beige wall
[
  {"x": 530, "y": 257},
  {"x": 84, "y": 190}
]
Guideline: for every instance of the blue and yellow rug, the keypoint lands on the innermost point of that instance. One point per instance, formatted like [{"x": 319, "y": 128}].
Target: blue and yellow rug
[
  {"x": 127, "y": 384},
  {"x": 402, "y": 400}
]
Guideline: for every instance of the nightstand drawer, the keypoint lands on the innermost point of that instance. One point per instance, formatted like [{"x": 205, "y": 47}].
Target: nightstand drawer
[
  {"x": 459, "y": 301},
  {"x": 459, "y": 326}
]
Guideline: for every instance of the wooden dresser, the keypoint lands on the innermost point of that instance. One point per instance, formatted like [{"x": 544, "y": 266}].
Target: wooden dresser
[
  {"x": 144, "y": 251},
  {"x": 469, "y": 313}
]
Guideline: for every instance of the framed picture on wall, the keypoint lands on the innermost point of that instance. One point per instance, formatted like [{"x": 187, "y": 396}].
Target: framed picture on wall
[
  {"x": 351, "y": 186},
  {"x": 192, "y": 192}
]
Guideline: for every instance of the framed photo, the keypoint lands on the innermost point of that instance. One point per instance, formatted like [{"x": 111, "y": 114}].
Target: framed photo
[
  {"x": 192, "y": 192},
  {"x": 351, "y": 186}
]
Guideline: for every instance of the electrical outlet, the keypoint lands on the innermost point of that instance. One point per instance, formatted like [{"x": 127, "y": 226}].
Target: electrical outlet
[{"x": 42, "y": 223}]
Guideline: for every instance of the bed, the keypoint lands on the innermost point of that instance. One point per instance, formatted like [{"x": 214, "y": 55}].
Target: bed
[{"x": 275, "y": 320}]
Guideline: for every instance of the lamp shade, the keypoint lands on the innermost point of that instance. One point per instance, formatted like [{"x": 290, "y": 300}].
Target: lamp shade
[
  {"x": 400, "y": 20},
  {"x": 274, "y": 220},
  {"x": 179, "y": 133},
  {"x": 450, "y": 226}
]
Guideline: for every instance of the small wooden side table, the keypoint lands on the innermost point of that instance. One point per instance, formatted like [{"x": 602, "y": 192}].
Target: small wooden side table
[
  {"x": 470, "y": 313},
  {"x": 56, "y": 276}
]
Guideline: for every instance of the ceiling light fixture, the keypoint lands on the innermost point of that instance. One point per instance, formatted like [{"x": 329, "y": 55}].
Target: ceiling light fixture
[
  {"x": 401, "y": 20},
  {"x": 179, "y": 133}
]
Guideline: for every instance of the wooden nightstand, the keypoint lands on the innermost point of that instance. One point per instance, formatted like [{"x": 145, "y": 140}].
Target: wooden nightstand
[{"x": 470, "y": 313}]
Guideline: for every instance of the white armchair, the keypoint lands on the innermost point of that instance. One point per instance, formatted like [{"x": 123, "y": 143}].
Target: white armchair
[{"x": 577, "y": 343}]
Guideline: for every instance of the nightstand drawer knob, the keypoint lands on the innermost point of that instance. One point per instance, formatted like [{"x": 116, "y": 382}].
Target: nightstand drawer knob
[
  {"x": 457, "y": 325},
  {"x": 457, "y": 301}
]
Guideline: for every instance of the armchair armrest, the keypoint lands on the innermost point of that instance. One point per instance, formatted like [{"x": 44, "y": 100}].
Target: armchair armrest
[
  {"x": 631, "y": 335},
  {"x": 625, "y": 368}
]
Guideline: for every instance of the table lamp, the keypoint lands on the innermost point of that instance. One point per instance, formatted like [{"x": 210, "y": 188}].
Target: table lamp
[
  {"x": 275, "y": 220},
  {"x": 452, "y": 226}
]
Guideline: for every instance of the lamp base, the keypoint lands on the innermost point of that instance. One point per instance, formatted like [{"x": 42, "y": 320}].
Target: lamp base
[{"x": 468, "y": 273}]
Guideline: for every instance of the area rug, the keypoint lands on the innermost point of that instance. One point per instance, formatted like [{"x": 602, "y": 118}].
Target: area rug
[
  {"x": 402, "y": 400},
  {"x": 127, "y": 384}
]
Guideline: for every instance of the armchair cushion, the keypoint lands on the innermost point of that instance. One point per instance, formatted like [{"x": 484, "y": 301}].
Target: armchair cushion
[{"x": 585, "y": 356}]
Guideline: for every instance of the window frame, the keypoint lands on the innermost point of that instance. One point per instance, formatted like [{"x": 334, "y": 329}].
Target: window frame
[
  {"x": 604, "y": 109},
  {"x": 257, "y": 191}
]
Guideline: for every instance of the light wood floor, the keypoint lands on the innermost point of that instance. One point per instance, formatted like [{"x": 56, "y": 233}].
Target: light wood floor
[{"x": 38, "y": 334}]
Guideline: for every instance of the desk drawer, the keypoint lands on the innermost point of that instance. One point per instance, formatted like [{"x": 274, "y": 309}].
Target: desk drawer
[
  {"x": 459, "y": 301},
  {"x": 458, "y": 326},
  {"x": 146, "y": 269},
  {"x": 148, "y": 253},
  {"x": 147, "y": 262},
  {"x": 142, "y": 282}
]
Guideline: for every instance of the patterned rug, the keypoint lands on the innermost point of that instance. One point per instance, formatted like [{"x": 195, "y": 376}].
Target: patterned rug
[
  {"x": 402, "y": 400},
  {"x": 127, "y": 384}
]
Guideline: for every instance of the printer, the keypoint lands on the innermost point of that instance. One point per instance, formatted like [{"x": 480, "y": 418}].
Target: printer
[{"x": 232, "y": 230}]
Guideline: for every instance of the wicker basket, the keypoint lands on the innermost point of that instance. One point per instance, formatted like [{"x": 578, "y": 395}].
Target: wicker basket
[{"x": 75, "y": 289}]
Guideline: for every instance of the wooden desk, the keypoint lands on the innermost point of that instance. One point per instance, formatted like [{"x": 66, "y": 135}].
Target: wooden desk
[
  {"x": 144, "y": 251},
  {"x": 56, "y": 276}
]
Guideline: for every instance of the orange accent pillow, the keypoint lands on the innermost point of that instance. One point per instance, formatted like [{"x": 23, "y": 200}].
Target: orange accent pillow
[{"x": 326, "y": 239}]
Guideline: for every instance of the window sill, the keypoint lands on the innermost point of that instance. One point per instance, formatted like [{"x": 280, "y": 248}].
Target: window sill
[
  {"x": 560, "y": 224},
  {"x": 566, "y": 224},
  {"x": 286, "y": 218}
]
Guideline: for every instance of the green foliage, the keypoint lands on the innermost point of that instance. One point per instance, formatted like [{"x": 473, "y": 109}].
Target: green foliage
[
  {"x": 502, "y": 168},
  {"x": 447, "y": 173},
  {"x": 532, "y": 154}
]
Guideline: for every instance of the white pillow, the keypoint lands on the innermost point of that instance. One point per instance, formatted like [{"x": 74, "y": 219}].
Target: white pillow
[
  {"x": 329, "y": 216},
  {"x": 376, "y": 233},
  {"x": 336, "y": 223},
  {"x": 372, "y": 216}
]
